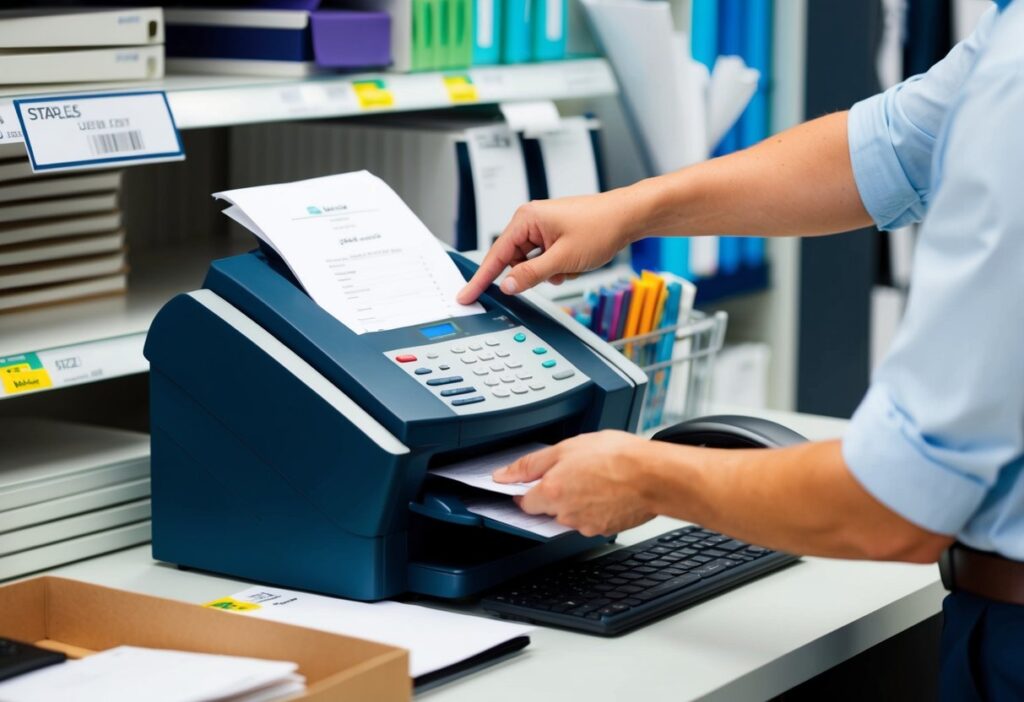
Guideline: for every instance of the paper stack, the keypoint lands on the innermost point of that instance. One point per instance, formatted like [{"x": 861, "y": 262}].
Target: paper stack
[
  {"x": 80, "y": 45},
  {"x": 129, "y": 673},
  {"x": 69, "y": 491},
  {"x": 60, "y": 235}
]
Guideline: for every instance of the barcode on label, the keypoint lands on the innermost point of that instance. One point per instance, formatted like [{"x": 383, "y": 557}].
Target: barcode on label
[{"x": 116, "y": 142}]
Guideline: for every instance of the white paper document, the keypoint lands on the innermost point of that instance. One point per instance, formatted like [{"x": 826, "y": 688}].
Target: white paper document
[
  {"x": 129, "y": 674},
  {"x": 356, "y": 248},
  {"x": 477, "y": 471},
  {"x": 434, "y": 639},
  {"x": 504, "y": 510},
  {"x": 569, "y": 165},
  {"x": 499, "y": 179}
]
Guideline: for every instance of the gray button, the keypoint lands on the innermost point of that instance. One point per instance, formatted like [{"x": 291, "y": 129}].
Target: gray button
[
  {"x": 500, "y": 393},
  {"x": 422, "y": 371},
  {"x": 468, "y": 400},
  {"x": 457, "y": 391},
  {"x": 432, "y": 355},
  {"x": 507, "y": 379},
  {"x": 480, "y": 371},
  {"x": 513, "y": 364},
  {"x": 485, "y": 356},
  {"x": 519, "y": 389},
  {"x": 536, "y": 386},
  {"x": 468, "y": 360},
  {"x": 491, "y": 382},
  {"x": 458, "y": 349},
  {"x": 493, "y": 342},
  {"x": 502, "y": 354},
  {"x": 497, "y": 368},
  {"x": 523, "y": 376},
  {"x": 475, "y": 347},
  {"x": 444, "y": 366},
  {"x": 562, "y": 375}
]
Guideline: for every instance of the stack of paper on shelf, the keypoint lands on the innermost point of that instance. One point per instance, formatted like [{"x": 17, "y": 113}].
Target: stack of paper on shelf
[
  {"x": 60, "y": 235},
  {"x": 80, "y": 45},
  {"x": 69, "y": 491},
  {"x": 276, "y": 42}
]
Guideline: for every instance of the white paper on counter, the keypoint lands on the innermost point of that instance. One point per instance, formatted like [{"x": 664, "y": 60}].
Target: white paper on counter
[
  {"x": 477, "y": 471},
  {"x": 435, "y": 639},
  {"x": 356, "y": 248}
]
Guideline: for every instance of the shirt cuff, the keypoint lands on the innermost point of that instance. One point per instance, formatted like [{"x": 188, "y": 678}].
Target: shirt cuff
[
  {"x": 888, "y": 455},
  {"x": 887, "y": 193}
]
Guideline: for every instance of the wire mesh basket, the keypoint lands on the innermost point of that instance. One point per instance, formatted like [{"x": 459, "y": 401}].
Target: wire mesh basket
[{"x": 679, "y": 361}]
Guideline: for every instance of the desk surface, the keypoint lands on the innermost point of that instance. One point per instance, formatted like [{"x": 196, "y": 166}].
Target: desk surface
[{"x": 748, "y": 644}]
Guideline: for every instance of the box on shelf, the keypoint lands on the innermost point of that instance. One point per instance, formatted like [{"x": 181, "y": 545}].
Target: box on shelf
[{"x": 79, "y": 619}]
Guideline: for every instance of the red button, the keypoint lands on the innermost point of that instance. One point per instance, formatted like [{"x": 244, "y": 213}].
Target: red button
[{"x": 405, "y": 358}]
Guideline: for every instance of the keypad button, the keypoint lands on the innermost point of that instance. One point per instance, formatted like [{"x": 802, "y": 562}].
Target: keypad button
[
  {"x": 458, "y": 349},
  {"x": 493, "y": 342},
  {"x": 513, "y": 364},
  {"x": 457, "y": 391},
  {"x": 468, "y": 400},
  {"x": 475, "y": 347},
  {"x": 500, "y": 392},
  {"x": 491, "y": 382},
  {"x": 432, "y": 355},
  {"x": 498, "y": 367},
  {"x": 502, "y": 354},
  {"x": 445, "y": 381},
  {"x": 405, "y": 358},
  {"x": 537, "y": 386},
  {"x": 520, "y": 337},
  {"x": 519, "y": 389},
  {"x": 468, "y": 360},
  {"x": 444, "y": 366},
  {"x": 523, "y": 376},
  {"x": 550, "y": 363},
  {"x": 562, "y": 375},
  {"x": 481, "y": 371},
  {"x": 423, "y": 371},
  {"x": 540, "y": 350},
  {"x": 485, "y": 356},
  {"x": 507, "y": 379}
]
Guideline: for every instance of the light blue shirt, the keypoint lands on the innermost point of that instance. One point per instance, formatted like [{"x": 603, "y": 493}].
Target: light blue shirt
[{"x": 939, "y": 438}]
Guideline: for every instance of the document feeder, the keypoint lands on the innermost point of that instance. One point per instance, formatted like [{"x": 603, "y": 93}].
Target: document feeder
[{"x": 287, "y": 449}]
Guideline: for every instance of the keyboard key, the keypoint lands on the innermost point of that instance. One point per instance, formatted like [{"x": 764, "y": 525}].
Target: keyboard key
[
  {"x": 519, "y": 337},
  {"x": 476, "y": 347},
  {"x": 684, "y": 552},
  {"x": 630, "y": 589},
  {"x": 445, "y": 381},
  {"x": 500, "y": 393},
  {"x": 493, "y": 342},
  {"x": 458, "y": 349},
  {"x": 550, "y": 363},
  {"x": 540, "y": 350},
  {"x": 491, "y": 382},
  {"x": 615, "y": 609},
  {"x": 669, "y": 586},
  {"x": 630, "y": 575},
  {"x": 645, "y": 557},
  {"x": 645, "y": 583},
  {"x": 733, "y": 545},
  {"x": 616, "y": 568},
  {"x": 615, "y": 595},
  {"x": 513, "y": 364},
  {"x": 468, "y": 360},
  {"x": 537, "y": 386},
  {"x": 432, "y": 355},
  {"x": 645, "y": 570},
  {"x": 660, "y": 550},
  {"x": 423, "y": 371},
  {"x": 485, "y": 356},
  {"x": 714, "y": 553},
  {"x": 445, "y": 367},
  {"x": 502, "y": 354},
  {"x": 563, "y": 375},
  {"x": 661, "y": 577},
  {"x": 481, "y": 371},
  {"x": 702, "y": 559},
  {"x": 658, "y": 564},
  {"x": 520, "y": 389},
  {"x": 617, "y": 581}
]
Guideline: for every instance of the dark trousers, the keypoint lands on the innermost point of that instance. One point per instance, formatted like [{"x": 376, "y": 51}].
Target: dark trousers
[{"x": 982, "y": 650}]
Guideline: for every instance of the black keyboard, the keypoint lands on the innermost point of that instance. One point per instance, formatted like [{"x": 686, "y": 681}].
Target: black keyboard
[{"x": 624, "y": 589}]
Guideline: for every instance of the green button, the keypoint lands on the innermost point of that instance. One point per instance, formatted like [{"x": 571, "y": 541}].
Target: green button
[
  {"x": 520, "y": 337},
  {"x": 540, "y": 350},
  {"x": 550, "y": 363}
]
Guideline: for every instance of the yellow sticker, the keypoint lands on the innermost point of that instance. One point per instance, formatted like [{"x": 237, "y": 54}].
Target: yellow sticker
[
  {"x": 461, "y": 89},
  {"x": 22, "y": 378},
  {"x": 232, "y": 605},
  {"x": 373, "y": 94}
]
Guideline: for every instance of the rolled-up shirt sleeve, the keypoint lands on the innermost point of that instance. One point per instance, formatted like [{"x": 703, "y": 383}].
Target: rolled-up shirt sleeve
[
  {"x": 945, "y": 413},
  {"x": 892, "y": 135}
]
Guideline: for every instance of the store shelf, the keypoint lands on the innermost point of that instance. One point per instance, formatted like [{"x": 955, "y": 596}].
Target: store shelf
[
  {"x": 89, "y": 341},
  {"x": 218, "y": 101}
]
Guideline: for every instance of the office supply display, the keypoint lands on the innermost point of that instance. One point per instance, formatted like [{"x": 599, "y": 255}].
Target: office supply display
[
  {"x": 437, "y": 641},
  {"x": 75, "y": 617},
  {"x": 18, "y": 658},
  {"x": 128, "y": 673},
  {"x": 62, "y": 27},
  {"x": 85, "y": 494},
  {"x": 357, "y": 516},
  {"x": 280, "y": 43}
]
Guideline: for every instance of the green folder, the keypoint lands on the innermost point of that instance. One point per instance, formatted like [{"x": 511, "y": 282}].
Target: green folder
[
  {"x": 461, "y": 35},
  {"x": 424, "y": 35}
]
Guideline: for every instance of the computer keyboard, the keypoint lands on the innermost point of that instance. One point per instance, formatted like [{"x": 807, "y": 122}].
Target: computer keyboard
[{"x": 624, "y": 589}]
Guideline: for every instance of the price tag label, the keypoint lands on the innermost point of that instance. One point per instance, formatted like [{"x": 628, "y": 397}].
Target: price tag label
[
  {"x": 23, "y": 373},
  {"x": 461, "y": 89},
  {"x": 373, "y": 94},
  {"x": 71, "y": 365},
  {"x": 98, "y": 131}
]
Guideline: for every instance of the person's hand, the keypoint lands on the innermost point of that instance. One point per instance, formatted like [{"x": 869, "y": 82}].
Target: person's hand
[
  {"x": 593, "y": 483},
  {"x": 573, "y": 234}
]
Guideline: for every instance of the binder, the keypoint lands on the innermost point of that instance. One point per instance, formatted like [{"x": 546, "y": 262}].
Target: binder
[
  {"x": 459, "y": 49},
  {"x": 487, "y": 26},
  {"x": 704, "y": 32},
  {"x": 82, "y": 65},
  {"x": 549, "y": 33},
  {"x": 730, "y": 254},
  {"x": 675, "y": 255},
  {"x": 424, "y": 36},
  {"x": 754, "y": 124},
  {"x": 730, "y": 43},
  {"x": 517, "y": 36},
  {"x": 51, "y": 27}
]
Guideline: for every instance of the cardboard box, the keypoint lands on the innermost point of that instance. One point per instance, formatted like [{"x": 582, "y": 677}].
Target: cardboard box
[{"x": 79, "y": 618}]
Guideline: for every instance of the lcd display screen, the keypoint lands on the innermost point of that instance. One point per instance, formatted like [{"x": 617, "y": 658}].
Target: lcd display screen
[{"x": 437, "y": 331}]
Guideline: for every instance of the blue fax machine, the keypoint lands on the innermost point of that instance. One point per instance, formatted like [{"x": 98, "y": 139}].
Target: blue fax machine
[{"x": 288, "y": 449}]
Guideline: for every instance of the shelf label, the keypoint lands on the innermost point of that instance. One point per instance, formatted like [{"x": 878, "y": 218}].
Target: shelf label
[
  {"x": 98, "y": 131},
  {"x": 373, "y": 94},
  {"x": 23, "y": 373},
  {"x": 461, "y": 89}
]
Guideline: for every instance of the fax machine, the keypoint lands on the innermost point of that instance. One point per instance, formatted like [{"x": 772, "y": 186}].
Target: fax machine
[{"x": 289, "y": 450}]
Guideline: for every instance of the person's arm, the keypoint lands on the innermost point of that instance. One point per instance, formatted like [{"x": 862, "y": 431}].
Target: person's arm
[{"x": 800, "y": 499}]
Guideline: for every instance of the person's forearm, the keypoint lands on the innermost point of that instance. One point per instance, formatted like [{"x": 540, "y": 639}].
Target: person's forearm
[
  {"x": 801, "y": 499},
  {"x": 799, "y": 182}
]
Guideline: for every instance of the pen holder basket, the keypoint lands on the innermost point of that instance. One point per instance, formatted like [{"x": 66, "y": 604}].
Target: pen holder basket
[{"x": 678, "y": 361}]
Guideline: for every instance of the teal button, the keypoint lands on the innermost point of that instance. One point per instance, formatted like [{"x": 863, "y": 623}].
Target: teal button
[
  {"x": 540, "y": 350},
  {"x": 520, "y": 337},
  {"x": 550, "y": 363}
]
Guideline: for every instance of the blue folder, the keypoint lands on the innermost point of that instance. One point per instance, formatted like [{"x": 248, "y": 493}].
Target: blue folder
[
  {"x": 704, "y": 32},
  {"x": 549, "y": 18},
  {"x": 517, "y": 38},
  {"x": 487, "y": 39},
  {"x": 730, "y": 43}
]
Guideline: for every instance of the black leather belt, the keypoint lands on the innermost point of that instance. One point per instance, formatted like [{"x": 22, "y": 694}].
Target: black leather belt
[{"x": 984, "y": 574}]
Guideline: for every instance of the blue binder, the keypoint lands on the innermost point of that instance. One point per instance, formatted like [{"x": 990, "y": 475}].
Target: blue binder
[
  {"x": 730, "y": 43},
  {"x": 675, "y": 257},
  {"x": 549, "y": 18},
  {"x": 704, "y": 32},
  {"x": 517, "y": 39},
  {"x": 755, "y": 124},
  {"x": 487, "y": 24}
]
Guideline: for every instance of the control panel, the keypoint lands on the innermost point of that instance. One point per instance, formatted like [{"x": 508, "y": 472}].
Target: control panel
[{"x": 487, "y": 372}]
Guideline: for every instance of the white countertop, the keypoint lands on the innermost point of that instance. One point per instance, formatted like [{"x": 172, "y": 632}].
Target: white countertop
[{"x": 748, "y": 644}]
